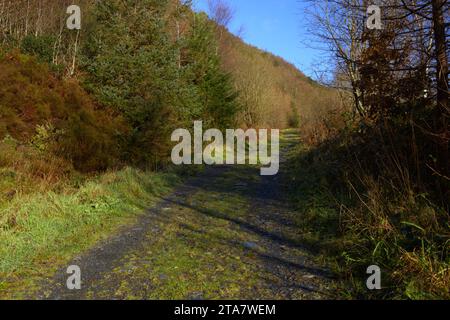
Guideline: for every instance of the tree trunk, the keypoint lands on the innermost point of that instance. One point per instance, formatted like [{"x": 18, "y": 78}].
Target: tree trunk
[{"x": 442, "y": 82}]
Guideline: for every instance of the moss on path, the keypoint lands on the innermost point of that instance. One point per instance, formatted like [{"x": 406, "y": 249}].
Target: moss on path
[{"x": 226, "y": 234}]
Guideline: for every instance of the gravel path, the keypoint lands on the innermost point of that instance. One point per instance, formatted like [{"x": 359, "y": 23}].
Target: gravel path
[{"x": 225, "y": 234}]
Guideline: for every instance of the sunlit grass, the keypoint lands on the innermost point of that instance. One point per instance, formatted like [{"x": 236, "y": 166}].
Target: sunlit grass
[{"x": 40, "y": 230}]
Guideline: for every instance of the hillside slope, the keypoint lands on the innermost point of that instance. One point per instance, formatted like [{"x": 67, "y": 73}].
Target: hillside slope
[{"x": 272, "y": 91}]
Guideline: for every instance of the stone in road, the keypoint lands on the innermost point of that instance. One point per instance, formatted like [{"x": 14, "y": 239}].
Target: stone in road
[{"x": 226, "y": 234}]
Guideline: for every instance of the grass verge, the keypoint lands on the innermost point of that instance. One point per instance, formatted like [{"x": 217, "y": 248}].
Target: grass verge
[
  {"x": 356, "y": 220},
  {"x": 40, "y": 231}
]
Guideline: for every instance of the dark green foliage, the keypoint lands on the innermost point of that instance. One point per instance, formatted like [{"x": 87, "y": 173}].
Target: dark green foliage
[
  {"x": 132, "y": 68},
  {"x": 40, "y": 46},
  {"x": 156, "y": 82},
  {"x": 216, "y": 92},
  {"x": 220, "y": 99}
]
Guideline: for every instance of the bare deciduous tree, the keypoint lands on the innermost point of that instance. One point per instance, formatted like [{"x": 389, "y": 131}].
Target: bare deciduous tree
[
  {"x": 338, "y": 27},
  {"x": 220, "y": 12},
  {"x": 396, "y": 70},
  {"x": 20, "y": 19}
]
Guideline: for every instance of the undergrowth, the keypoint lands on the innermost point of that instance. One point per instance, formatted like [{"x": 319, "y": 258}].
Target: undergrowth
[{"x": 359, "y": 209}]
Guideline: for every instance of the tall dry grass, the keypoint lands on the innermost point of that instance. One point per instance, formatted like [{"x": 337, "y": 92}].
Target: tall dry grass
[{"x": 380, "y": 203}]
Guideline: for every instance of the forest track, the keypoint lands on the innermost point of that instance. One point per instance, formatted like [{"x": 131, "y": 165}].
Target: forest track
[{"x": 228, "y": 233}]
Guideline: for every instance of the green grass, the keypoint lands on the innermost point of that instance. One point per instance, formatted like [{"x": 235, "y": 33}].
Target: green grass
[{"x": 39, "y": 231}]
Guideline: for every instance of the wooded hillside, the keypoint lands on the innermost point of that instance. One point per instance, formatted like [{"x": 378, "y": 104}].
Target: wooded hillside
[
  {"x": 152, "y": 66},
  {"x": 273, "y": 92}
]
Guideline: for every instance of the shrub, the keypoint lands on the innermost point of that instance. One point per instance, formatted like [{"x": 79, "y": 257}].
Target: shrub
[
  {"x": 39, "y": 46},
  {"x": 56, "y": 116}
]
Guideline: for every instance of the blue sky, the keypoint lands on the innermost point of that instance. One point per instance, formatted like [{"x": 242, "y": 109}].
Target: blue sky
[{"x": 277, "y": 26}]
